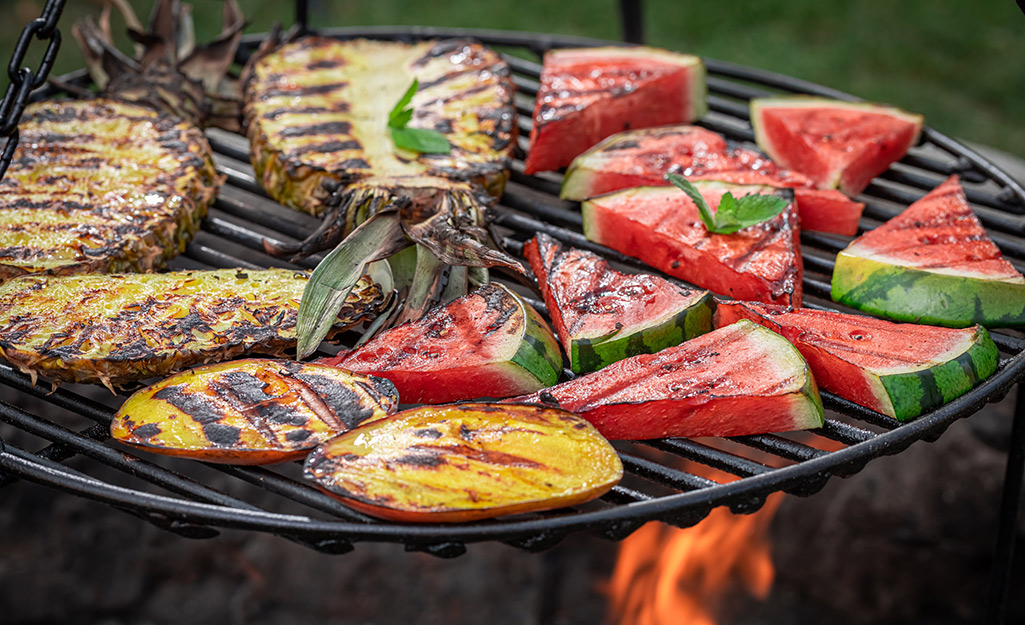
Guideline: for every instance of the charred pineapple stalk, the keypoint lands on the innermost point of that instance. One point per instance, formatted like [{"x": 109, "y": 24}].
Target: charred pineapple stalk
[
  {"x": 317, "y": 112},
  {"x": 116, "y": 329},
  {"x": 120, "y": 181}
]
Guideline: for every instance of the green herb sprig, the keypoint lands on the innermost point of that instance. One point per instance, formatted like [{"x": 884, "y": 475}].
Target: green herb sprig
[
  {"x": 422, "y": 140},
  {"x": 732, "y": 214}
]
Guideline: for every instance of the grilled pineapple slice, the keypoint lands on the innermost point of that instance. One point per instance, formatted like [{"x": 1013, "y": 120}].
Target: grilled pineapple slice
[
  {"x": 120, "y": 181},
  {"x": 115, "y": 329},
  {"x": 100, "y": 186},
  {"x": 316, "y": 113}
]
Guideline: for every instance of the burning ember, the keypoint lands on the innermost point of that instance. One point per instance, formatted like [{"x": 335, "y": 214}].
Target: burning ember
[{"x": 666, "y": 575}]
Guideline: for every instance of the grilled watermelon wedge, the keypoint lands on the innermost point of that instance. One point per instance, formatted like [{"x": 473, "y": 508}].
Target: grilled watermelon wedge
[
  {"x": 602, "y": 315},
  {"x": 837, "y": 144},
  {"x": 587, "y": 94},
  {"x": 661, "y": 226},
  {"x": 737, "y": 380},
  {"x": 254, "y": 411},
  {"x": 643, "y": 157},
  {"x": 933, "y": 263},
  {"x": 901, "y": 370},
  {"x": 465, "y": 462},
  {"x": 489, "y": 343}
]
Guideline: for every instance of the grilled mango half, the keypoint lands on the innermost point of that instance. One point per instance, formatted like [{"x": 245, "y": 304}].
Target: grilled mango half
[
  {"x": 120, "y": 328},
  {"x": 254, "y": 411},
  {"x": 102, "y": 185},
  {"x": 316, "y": 113}
]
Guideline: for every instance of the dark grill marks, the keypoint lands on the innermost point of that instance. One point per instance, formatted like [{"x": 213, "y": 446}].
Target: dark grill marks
[
  {"x": 351, "y": 163},
  {"x": 344, "y": 404},
  {"x": 201, "y": 410},
  {"x": 302, "y": 91},
  {"x": 322, "y": 148},
  {"x": 335, "y": 107},
  {"x": 246, "y": 394},
  {"x": 324, "y": 128}
]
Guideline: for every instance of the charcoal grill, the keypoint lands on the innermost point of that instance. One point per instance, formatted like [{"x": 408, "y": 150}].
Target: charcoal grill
[{"x": 63, "y": 441}]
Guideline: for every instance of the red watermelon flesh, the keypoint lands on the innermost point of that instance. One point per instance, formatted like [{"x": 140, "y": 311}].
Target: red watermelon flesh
[
  {"x": 587, "y": 94},
  {"x": 602, "y": 315},
  {"x": 837, "y": 144},
  {"x": 489, "y": 343},
  {"x": 642, "y": 158},
  {"x": 738, "y": 380},
  {"x": 898, "y": 369},
  {"x": 661, "y": 226}
]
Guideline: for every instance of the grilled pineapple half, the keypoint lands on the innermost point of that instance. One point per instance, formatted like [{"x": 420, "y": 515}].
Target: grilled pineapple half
[
  {"x": 120, "y": 181},
  {"x": 102, "y": 185},
  {"x": 316, "y": 113},
  {"x": 115, "y": 329}
]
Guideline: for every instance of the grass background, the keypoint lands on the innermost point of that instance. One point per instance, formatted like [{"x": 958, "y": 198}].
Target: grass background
[{"x": 960, "y": 63}]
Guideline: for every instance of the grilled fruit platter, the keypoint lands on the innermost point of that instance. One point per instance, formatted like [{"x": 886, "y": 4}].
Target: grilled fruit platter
[{"x": 403, "y": 149}]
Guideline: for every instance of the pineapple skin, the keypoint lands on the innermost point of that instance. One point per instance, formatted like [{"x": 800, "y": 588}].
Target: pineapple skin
[
  {"x": 316, "y": 114},
  {"x": 120, "y": 328},
  {"x": 102, "y": 185}
]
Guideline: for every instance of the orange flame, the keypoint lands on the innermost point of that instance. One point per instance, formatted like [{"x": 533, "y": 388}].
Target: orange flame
[{"x": 665, "y": 575}]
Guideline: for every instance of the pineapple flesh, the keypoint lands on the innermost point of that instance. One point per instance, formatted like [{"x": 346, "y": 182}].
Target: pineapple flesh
[
  {"x": 120, "y": 328},
  {"x": 102, "y": 185}
]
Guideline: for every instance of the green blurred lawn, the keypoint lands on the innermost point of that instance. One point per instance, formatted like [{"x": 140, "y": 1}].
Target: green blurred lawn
[{"x": 960, "y": 63}]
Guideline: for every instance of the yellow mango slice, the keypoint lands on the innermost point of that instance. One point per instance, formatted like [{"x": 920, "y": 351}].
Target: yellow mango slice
[
  {"x": 254, "y": 411},
  {"x": 466, "y": 462}
]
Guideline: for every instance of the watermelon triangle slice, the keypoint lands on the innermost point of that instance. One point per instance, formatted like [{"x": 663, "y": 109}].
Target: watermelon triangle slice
[
  {"x": 661, "y": 226},
  {"x": 899, "y": 369},
  {"x": 602, "y": 315},
  {"x": 737, "y": 380},
  {"x": 488, "y": 343},
  {"x": 837, "y": 144},
  {"x": 587, "y": 94},
  {"x": 642, "y": 157},
  {"x": 934, "y": 263}
]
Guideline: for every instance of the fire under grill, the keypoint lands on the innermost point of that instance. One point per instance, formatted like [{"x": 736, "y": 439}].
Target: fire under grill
[{"x": 60, "y": 439}]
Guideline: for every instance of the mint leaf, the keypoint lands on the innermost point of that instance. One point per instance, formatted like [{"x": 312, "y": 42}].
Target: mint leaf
[
  {"x": 703, "y": 211},
  {"x": 732, "y": 214},
  {"x": 422, "y": 140},
  {"x": 726, "y": 221},
  {"x": 753, "y": 209},
  {"x": 400, "y": 114}
]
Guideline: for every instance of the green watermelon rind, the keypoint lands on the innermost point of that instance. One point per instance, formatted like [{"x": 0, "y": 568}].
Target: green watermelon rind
[
  {"x": 908, "y": 294},
  {"x": 806, "y": 403},
  {"x": 579, "y": 177},
  {"x": 538, "y": 354},
  {"x": 586, "y": 354},
  {"x": 913, "y": 393}
]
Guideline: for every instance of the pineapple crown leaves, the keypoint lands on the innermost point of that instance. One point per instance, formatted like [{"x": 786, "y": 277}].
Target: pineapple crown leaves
[{"x": 169, "y": 71}]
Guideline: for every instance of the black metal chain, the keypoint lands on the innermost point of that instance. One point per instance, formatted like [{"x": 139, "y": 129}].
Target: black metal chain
[{"x": 25, "y": 79}]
